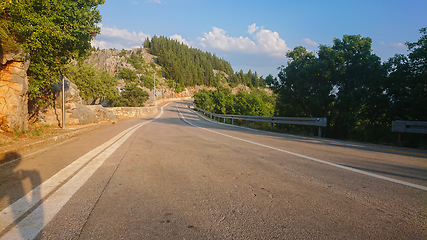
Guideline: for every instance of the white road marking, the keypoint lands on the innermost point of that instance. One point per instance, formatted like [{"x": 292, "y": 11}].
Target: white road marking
[
  {"x": 31, "y": 225},
  {"x": 281, "y": 134},
  {"x": 315, "y": 159}
]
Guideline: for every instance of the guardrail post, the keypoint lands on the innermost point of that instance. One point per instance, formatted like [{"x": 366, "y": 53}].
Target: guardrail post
[
  {"x": 271, "y": 126},
  {"x": 246, "y": 123},
  {"x": 224, "y": 120},
  {"x": 232, "y": 121},
  {"x": 319, "y": 132},
  {"x": 399, "y": 138}
]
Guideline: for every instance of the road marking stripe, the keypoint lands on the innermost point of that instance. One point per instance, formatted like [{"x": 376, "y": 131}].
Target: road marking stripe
[
  {"x": 315, "y": 159},
  {"x": 31, "y": 225}
]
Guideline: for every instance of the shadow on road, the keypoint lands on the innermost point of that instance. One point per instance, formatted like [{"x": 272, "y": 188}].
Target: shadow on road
[{"x": 14, "y": 181}]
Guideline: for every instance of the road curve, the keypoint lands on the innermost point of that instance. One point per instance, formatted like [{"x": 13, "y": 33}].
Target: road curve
[{"x": 177, "y": 175}]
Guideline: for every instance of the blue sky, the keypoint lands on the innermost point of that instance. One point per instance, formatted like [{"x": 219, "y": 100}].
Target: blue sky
[{"x": 256, "y": 34}]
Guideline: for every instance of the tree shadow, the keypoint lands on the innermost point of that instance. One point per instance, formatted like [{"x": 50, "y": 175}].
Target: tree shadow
[{"x": 16, "y": 220}]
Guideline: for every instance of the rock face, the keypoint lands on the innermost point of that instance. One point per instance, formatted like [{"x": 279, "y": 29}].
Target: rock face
[
  {"x": 111, "y": 61},
  {"x": 13, "y": 91}
]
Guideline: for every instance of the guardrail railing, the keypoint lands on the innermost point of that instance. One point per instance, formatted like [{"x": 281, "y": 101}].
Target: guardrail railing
[
  {"x": 408, "y": 127},
  {"x": 319, "y": 122}
]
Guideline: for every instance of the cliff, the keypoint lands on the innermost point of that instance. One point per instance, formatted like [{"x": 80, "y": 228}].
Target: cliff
[{"x": 13, "y": 91}]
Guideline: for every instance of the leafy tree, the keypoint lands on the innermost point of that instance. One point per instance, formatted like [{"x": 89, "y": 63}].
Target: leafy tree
[
  {"x": 203, "y": 99},
  {"x": 93, "y": 84},
  {"x": 344, "y": 83},
  {"x": 128, "y": 75},
  {"x": 407, "y": 82},
  {"x": 272, "y": 82},
  {"x": 222, "y": 101},
  {"x": 52, "y": 32},
  {"x": 305, "y": 91},
  {"x": 132, "y": 96},
  {"x": 358, "y": 81}
]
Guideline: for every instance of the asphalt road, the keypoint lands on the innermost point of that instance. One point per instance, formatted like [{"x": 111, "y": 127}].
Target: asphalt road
[{"x": 176, "y": 175}]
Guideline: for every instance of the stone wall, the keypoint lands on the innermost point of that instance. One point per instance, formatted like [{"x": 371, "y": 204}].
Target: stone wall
[
  {"x": 131, "y": 112},
  {"x": 13, "y": 91}
]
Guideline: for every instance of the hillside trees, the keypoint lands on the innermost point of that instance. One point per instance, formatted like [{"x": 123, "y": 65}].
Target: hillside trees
[
  {"x": 52, "y": 32},
  {"x": 190, "y": 66}
]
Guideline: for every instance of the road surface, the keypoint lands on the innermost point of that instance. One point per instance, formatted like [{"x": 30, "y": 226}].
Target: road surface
[{"x": 176, "y": 175}]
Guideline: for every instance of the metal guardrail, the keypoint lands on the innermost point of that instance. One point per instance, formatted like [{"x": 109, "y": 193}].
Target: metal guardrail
[
  {"x": 409, "y": 127},
  {"x": 319, "y": 122}
]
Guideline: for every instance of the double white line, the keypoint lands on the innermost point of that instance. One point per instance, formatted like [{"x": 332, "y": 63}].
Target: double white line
[{"x": 32, "y": 224}]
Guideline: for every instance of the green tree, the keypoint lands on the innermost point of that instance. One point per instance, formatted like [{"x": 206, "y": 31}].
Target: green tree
[
  {"x": 407, "y": 82},
  {"x": 94, "y": 85},
  {"x": 345, "y": 83},
  {"x": 128, "y": 75},
  {"x": 272, "y": 82},
  {"x": 137, "y": 61},
  {"x": 305, "y": 91},
  {"x": 132, "y": 96},
  {"x": 52, "y": 32},
  {"x": 358, "y": 82}
]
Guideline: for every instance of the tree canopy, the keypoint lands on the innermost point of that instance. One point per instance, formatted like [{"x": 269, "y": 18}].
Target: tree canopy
[
  {"x": 350, "y": 86},
  {"x": 52, "y": 32}
]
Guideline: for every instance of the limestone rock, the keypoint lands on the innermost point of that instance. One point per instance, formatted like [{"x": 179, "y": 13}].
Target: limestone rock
[
  {"x": 72, "y": 94},
  {"x": 84, "y": 114},
  {"x": 13, "y": 90}
]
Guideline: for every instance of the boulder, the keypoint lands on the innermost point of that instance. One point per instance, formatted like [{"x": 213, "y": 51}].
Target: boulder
[
  {"x": 72, "y": 94},
  {"x": 84, "y": 114}
]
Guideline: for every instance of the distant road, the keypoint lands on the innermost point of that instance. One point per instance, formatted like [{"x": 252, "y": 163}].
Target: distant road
[{"x": 177, "y": 175}]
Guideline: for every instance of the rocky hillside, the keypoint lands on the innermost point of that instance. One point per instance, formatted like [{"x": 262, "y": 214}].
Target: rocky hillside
[{"x": 112, "y": 60}]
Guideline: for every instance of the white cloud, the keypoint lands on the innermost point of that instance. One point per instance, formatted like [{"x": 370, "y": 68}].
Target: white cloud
[
  {"x": 252, "y": 28},
  {"x": 270, "y": 42},
  {"x": 310, "y": 42},
  {"x": 118, "y": 38},
  {"x": 155, "y": 1},
  {"x": 264, "y": 41},
  {"x": 219, "y": 40},
  {"x": 180, "y": 39},
  {"x": 394, "y": 45}
]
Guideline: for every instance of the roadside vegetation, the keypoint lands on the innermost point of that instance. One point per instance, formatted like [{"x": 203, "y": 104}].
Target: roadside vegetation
[
  {"x": 348, "y": 84},
  {"x": 51, "y": 33}
]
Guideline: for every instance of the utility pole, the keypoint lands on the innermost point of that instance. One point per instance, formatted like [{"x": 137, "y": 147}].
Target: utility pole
[
  {"x": 154, "y": 86},
  {"x": 63, "y": 102}
]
